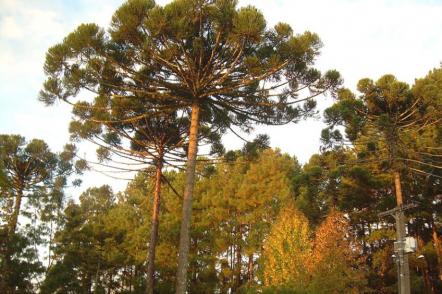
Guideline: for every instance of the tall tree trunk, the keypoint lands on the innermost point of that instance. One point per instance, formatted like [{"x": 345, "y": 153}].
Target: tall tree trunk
[
  {"x": 438, "y": 247},
  {"x": 251, "y": 265},
  {"x": 12, "y": 226},
  {"x": 187, "y": 202},
  {"x": 10, "y": 234},
  {"x": 154, "y": 226}
]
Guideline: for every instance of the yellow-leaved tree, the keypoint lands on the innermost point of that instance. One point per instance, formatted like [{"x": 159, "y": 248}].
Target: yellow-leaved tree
[
  {"x": 286, "y": 250},
  {"x": 326, "y": 263}
]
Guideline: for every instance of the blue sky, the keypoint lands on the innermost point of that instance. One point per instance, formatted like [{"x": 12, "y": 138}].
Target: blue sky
[{"x": 362, "y": 38}]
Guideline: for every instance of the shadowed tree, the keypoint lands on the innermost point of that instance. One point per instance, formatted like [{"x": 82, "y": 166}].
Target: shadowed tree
[
  {"x": 387, "y": 124},
  {"x": 85, "y": 247},
  {"x": 30, "y": 171},
  {"x": 217, "y": 64},
  {"x": 429, "y": 151}
]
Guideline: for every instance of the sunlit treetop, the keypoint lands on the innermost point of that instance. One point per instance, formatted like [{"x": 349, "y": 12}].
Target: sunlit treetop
[
  {"x": 389, "y": 118},
  {"x": 156, "y": 59}
]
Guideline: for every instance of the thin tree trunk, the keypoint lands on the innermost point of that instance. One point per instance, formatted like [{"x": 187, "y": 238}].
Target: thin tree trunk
[
  {"x": 425, "y": 273},
  {"x": 438, "y": 248},
  {"x": 131, "y": 285},
  {"x": 238, "y": 257},
  {"x": 50, "y": 257},
  {"x": 398, "y": 189},
  {"x": 154, "y": 226},
  {"x": 49, "y": 250},
  {"x": 250, "y": 268},
  {"x": 187, "y": 202},
  {"x": 88, "y": 284}
]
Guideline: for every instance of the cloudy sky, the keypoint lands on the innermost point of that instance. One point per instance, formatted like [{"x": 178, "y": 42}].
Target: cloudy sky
[{"x": 361, "y": 39}]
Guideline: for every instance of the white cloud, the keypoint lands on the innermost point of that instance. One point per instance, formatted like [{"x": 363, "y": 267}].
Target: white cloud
[
  {"x": 367, "y": 38},
  {"x": 26, "y": 31},
  {"x": 9, "y": 29}
]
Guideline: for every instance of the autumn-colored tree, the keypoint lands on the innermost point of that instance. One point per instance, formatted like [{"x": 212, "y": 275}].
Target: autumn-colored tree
[
  {"x": 336, "y": 265},
  {"x": 287, "y": 250},
  {"x": 339, "y": 180},
  {"x": 329, "y": 263}
]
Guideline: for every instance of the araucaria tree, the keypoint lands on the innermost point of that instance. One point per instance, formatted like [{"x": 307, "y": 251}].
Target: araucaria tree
[
  {"x": 31, "y": 170},
  {"x": 139, "y": 143},
  {"x": 390, "y": 119},
  {"x": 387, "y": 120},
  {"x": 217, "y": 64},
  {"x": 32, "y": 174}
]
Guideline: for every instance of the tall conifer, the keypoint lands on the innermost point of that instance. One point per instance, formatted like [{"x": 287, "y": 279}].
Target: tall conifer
[{"x": 218, "y": 64}]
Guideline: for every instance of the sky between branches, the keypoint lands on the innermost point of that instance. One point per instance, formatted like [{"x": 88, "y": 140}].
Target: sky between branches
[{"x": 362, "y": 38}]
